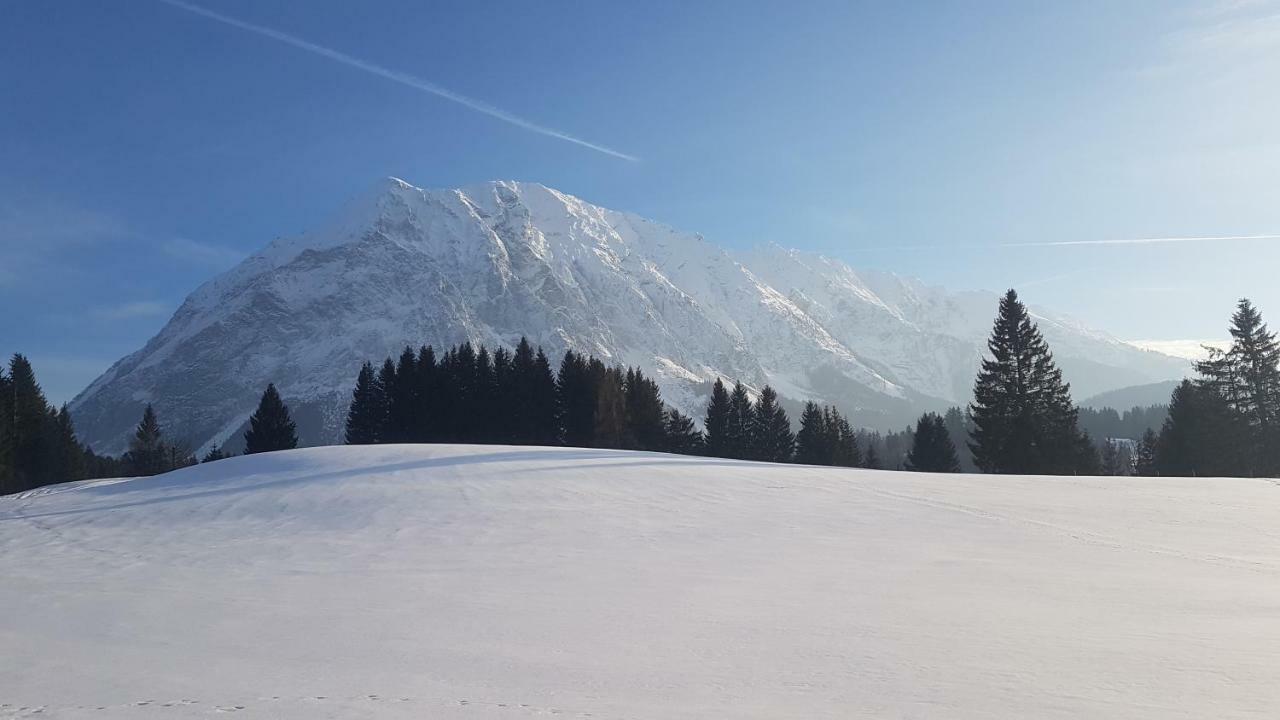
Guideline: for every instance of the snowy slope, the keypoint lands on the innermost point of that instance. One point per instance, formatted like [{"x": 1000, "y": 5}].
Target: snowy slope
[
  {"x": 500, "y": 582},
  {"x": 490, "y": 263}
]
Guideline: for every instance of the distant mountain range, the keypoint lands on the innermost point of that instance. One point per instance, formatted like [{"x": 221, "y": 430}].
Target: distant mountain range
[{"x": 490, "y": 263}]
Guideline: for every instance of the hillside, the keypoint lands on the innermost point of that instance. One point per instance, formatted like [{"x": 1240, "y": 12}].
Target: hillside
[
  {"x": 505, "y": 582},
  {"x": 490, "y": 263}
]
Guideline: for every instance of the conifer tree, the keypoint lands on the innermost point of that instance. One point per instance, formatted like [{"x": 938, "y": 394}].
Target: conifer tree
[
  {"x": 1024, "y": 420},
  {"x": 844, "y": 442},
  {"x": 368, "y": 413},
  {"x": 402, "y": 399},
  {"x": 427, "y": 417},
  {"x": 147, "y": 453},
  {"x": 34, "y": 449},
  {"x": 771, "y": 437},
  {"x": 611, "y": 412},
  {"x": 1111, "y": 466},
  {"x": 270, "y": 427},
  {"x": 521, "y": 399},
  {"x": 7, "y": 484},
  {"x": 1144, "y": 460},
  {"x": 738, "y": 423},
  {"x": 959, "y": 428},
  {"x": 645, "y": 418},
  {"x": 682, "y": 436},
  {"x": 716, "y": 438},
  {"x": 812, "y": 447},
  {"x": 70, "y": 454},
  {"x": 542, "y": 401},
  {"x": 931, "y": 448},
  {"x": 1247, "y": 378},
  {"x": 386, "y": 380},
  {"x": 1200, "y": 436},
  {"x": 871, "y": 460},
  {"x": 216, "y": 453},
  {"x": 576, "y": 401}
]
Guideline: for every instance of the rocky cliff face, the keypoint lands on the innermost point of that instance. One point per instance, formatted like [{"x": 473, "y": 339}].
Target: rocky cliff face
[{"x": 490, "y": 263}]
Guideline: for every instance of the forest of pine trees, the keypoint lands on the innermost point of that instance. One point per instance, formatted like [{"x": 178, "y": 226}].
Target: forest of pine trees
[{"x": 1225, "y": 422}]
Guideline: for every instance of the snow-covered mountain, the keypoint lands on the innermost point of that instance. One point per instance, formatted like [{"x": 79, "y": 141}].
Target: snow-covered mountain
[{"x": 490, "y": 263}]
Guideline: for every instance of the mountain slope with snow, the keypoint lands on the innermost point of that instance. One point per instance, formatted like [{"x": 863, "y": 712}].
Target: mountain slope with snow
[
  {"x": 504, "y": 582},
  {"x": 402, "y": 265}
]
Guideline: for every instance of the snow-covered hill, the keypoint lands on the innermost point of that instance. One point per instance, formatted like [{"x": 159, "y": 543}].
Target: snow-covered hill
[
  {"x": 504, "y": 259},
  {"x": 501, "y": 582}
]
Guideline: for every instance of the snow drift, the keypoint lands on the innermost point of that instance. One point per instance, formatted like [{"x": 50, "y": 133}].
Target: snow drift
[{"x": 505, "y": 582}]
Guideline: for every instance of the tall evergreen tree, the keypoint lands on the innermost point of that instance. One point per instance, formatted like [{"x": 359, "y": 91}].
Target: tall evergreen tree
[
  {"x": 34, "y": 449},
  {"x": 70, "y": 458},
  {"x": 771, "y": 438},
  {"x": 645, "y": 415},
  {"x": 7, "y": 484},
  {"x": 427, "y": 418},
  {"x": 739, "y": 422},
  {"x": 682, "y": 436},
  {"x": 1144, "y": 460},
  {"x": 844, "y": 442},
  {"x": 368, "y": 413},
  {"x": 1200, "y": 436},
  {"x": 932, "y": 449},
  {"x": 521, "y": 398},
  {"x": 147, "y": 454},
  {"x": 1247, "y": 377},
  {"x": 542, "y": 400},
  {"x": 1111, "y": 463},
  {"x": 717, "y": 441},
  {"x": 576, "y": 401},
  {"x": 611, "y": 411},
  {"x": 270, "y": 427},
  {"x": 1024, "y": 420},
  {"x": 812, "y": 445},
  {"x": 871, "y": 459}
]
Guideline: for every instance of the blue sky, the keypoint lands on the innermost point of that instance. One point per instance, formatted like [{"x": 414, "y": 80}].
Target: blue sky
[{"x": 145, "y": 148}]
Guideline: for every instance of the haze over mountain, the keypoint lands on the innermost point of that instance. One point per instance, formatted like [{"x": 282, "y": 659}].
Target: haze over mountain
[{"x": 489, "y": 263}]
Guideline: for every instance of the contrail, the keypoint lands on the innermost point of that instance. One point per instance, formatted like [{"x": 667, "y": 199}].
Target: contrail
[
  {"x": 1140, "y": 241},
  {"x": 1069, "y": 243},
  {"x": 400, "y": 77}
]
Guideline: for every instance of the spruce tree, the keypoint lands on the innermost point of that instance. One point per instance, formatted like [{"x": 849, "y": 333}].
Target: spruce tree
[
  {"x": 611, "y": 411},
  {"x": 7, "y": 484},
  {"x": 1200, "y": 435},
  {"x": 871, "y": 459},
  {"x": 771, "y": 437},
  {"x": 35, "y": 453},
  {"x": 844, "y": 442},
  {"x": 717, "y": 441},
  {"x": 1144, "y": 460},
  {"x": 426, "y": 379},
  {"x": 402, "y": 399},
  {"x": 542, "y": 421},
  {"x": 147, "y": 454},
  {"x": 368, "y": 413},
  {"x": 576, "y": 401},
  {"x": 386, "y": 381},
  {"x": 70, "y": 454},
  {"x": 812, "y": 447},
  {"x": 1023, "y": 417},
  {"x": 931, "y": 448},
  {"x": 216, "y": 453},
  {"x": 270, "y": 427},
  {"x": 1247, "y": 377},
  {"x": 521, "y": 399},
  {"x": 738, "y": 424},
  {"x": 682, "y": 436},
  {"x": 645, "y": 416}
]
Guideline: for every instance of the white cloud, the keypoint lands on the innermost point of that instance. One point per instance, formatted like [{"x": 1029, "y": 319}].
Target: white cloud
[
  {"x": 131, "y": 310},
  {"x": 200, "y": 253}
]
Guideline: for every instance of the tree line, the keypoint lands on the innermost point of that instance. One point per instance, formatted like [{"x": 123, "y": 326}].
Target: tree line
[{"x": 1226, "y": 421}]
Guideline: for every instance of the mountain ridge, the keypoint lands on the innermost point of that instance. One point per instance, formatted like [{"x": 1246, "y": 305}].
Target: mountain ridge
[{"x": 491, "y": 262}]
